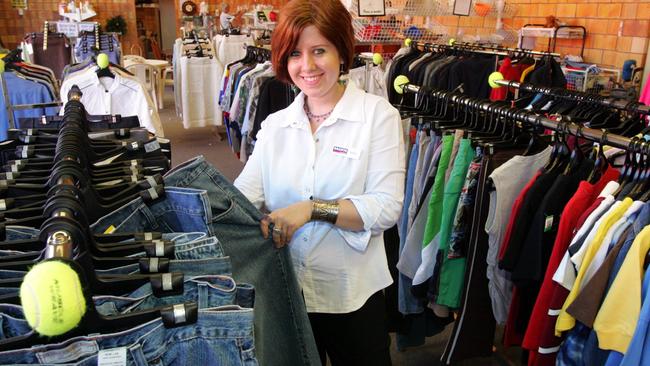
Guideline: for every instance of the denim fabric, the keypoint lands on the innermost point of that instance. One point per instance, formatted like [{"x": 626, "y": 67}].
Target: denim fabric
[
  {"x": 181, "y": 210},
  {"x": 198, "y": 249},
  {"x": 206, "y": 291},
  {"x": 283, "y": 332},
  {"x": 20, "y": 233},
  {"x": 12, "y": 321},
  {"x": 191, "y": 267},
  {"x": 221, "y": 336},
  {"x": 208, "y": 251}
]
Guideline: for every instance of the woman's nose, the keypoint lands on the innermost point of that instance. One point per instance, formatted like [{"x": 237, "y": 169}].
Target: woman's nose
[{"x": 308, "y": 62}]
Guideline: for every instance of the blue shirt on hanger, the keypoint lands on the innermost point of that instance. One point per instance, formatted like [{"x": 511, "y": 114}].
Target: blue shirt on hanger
[{"x": 22, "y": 91}]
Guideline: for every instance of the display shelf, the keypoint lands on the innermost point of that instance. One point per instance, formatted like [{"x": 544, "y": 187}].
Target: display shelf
[
  {"x": 529, "y": 32},
  {"x": 398, "y": 23}
]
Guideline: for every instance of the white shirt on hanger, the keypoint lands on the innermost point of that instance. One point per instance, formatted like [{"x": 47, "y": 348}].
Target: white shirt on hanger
[
  {"x": 123, "y": 96},
  {"x": 356, "y": 154}
]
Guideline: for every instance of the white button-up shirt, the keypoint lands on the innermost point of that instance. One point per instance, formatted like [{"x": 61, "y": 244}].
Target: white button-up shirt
[
  {"x": 121, "y": 95},
  {"x": 356, "y": 154}
]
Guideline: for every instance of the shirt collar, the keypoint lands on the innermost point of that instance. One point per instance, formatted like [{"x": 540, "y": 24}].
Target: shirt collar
[
  {"x": 95, "y": 80},
  {"x": 348, "y": 108}
]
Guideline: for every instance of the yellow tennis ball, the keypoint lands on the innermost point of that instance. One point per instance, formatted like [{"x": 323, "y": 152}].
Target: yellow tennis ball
[
  {"x": 492, "y": 79},
  {"x": 102, "y": 60},
  {"x": 407, "y": 42},
  {"x": 377, "y": 59},
  {"x": 52, "y": 299},
  {"x": 398, "y": 83},
  {"x": 452, "y": 41}
]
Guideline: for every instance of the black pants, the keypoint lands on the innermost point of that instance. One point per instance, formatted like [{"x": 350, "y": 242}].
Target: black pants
[{"x": 356, "y": 338}]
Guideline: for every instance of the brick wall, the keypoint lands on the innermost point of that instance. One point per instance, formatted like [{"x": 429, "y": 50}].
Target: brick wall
[
  {"x": 616, "y": 30},
  {"x": 13, "y": 27}
]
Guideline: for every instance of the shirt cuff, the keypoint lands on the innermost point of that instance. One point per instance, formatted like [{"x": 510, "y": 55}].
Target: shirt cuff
[{"x": 369, "y": 213}]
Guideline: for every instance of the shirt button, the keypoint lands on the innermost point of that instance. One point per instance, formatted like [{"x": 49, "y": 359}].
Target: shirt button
[
  {"x": 317, "y": 140},
  {"x": 304, "y": 239}
]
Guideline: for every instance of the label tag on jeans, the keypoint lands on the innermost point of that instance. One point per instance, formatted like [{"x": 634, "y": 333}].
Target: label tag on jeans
[
  {"x": 151, "y": 146},
  {"x": 112, "y": 357},
  {"x": 109, "y": 230}
]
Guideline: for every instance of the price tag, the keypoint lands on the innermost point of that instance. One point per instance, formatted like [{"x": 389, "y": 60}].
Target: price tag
[
  {"x": 112, "y": 357},
  {"x": 548, "y": 223}
]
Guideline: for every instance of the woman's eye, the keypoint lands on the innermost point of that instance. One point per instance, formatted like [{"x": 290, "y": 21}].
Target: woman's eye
[
  {"x": 319, "y": 51},
  {"x": 294, "y": 54}
]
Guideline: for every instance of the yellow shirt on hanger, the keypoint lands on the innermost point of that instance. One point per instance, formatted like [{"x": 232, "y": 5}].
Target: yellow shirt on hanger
[
  {"x": 565, "y": 321},
  {"x": 526, "y": 72},
  {"x": 619, "y": 314}
]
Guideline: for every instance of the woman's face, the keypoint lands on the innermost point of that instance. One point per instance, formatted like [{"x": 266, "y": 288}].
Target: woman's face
[{"x": 314, "y": 65}]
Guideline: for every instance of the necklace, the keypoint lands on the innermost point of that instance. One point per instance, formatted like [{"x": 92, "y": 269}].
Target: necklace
[{"x": 316, "y": 117}]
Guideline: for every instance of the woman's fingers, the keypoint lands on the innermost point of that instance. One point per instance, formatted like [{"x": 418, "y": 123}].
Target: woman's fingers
[{"x": 264, "y": 226}]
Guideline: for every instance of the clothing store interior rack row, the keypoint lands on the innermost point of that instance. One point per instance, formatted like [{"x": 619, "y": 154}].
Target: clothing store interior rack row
[{"x": 432, "y": 108}]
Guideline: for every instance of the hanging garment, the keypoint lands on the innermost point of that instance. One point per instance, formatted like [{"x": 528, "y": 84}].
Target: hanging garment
[{"x": 121, "y": 95}]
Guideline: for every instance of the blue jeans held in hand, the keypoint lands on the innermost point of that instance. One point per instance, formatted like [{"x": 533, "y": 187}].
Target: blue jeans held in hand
[
  {"x": 206, "y": 291},
  {"x": 283, "y": 333},
  {"x": 221, "y": 336}
]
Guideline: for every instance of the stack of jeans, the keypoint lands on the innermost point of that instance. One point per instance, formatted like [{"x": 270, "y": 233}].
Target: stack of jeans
[
  {"x": 222, "y": 334},
  {"x": 228, "y": 269}
]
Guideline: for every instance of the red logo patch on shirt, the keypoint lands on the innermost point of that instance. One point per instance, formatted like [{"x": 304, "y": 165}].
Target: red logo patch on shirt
[{"x": 340, "y": 150}]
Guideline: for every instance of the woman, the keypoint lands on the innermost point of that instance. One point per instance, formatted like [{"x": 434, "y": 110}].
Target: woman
[{"x": 330, "y": 169}]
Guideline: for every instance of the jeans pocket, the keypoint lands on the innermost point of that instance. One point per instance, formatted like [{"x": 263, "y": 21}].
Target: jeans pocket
[
  {"x": 233, "y": 214},
  {"x": 247, "y": 351}
]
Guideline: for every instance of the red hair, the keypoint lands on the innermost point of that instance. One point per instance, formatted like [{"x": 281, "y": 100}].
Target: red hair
[{"x": 331, "y": 19}]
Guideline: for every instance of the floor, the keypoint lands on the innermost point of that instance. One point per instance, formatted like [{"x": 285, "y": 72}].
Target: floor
[{"x": 206, "y": 141}]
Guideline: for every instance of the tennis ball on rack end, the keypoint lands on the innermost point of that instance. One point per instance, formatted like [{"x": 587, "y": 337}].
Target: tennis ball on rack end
[
  {"x": 398, "y": 83},
  {"x": 407, "y": 42},
  {"x": 493, "y": 78},
  {"x": 102, "y": 60},
  {"x": 377, "y": 59},
  {"x": 52, "y": 298}
]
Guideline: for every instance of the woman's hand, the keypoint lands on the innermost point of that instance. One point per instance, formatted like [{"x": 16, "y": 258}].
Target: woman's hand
[{"x": 285, "y": 222}]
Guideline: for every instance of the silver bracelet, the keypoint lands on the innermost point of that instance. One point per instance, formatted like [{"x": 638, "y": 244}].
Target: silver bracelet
[{"x": 327, "y": 211}]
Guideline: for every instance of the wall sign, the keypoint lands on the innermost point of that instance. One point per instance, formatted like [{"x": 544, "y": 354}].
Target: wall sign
[
  {"x": 372, "y": 8},
  {"x": 462, "y": 7},
  {"x": 19, "y": 4}
]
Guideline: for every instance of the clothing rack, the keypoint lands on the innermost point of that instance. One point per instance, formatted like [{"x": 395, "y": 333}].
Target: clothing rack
[
  {"x": 475, "y": 48},
  {"x": 262, "y": 54},
  {"x": 525, "y": 116},
  {"x": 579, "y": 96}
]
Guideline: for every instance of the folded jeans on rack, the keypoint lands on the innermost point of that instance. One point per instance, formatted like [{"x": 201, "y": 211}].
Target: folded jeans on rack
[
  {"x": 207, "y": 291},
  {"x": 220, "y": 336},
  {"x": 180, "y": 210},
  {"x": 99, "y": 123}
]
